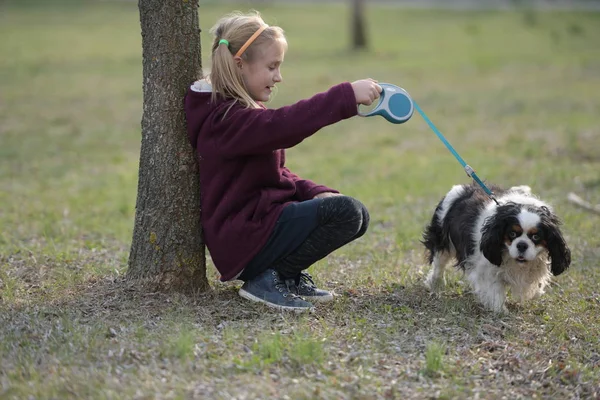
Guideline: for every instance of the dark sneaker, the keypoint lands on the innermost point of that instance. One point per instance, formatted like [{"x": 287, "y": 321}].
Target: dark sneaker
[
  {"x": 307, "y": 289},
  {"x": 268, "y": 288}
]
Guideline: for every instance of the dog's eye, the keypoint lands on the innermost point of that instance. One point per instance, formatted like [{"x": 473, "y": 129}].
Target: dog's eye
[
  {"x": 512, "y": 235},
  {"x": 535, "y": 238}
]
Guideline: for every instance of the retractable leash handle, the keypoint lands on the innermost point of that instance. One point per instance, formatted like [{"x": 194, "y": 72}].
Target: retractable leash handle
[{"x": 396, "y": 106}]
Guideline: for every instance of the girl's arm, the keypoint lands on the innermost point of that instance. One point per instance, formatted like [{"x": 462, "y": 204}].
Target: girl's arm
[
  {"x": 306, "y": 189},
  {"x": 245, "y": 131}
]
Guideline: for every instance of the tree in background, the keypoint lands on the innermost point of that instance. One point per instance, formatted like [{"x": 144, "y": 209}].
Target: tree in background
[
  {"x": 359, "y": 37},
  {"x": 167, "y": 250}
]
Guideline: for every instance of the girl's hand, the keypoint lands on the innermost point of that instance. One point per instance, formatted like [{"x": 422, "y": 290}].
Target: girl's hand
[
  {"x": 366, "y": 91},
  {"x": 326, "y": 194}
]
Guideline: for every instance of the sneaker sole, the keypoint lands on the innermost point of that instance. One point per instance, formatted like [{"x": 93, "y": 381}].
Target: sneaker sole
[{"x": 251, "y": 297}]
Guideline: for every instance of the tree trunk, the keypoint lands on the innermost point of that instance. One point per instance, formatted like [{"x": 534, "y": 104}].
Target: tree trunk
[
  {"x": 359, "y": 38},
  {"x": 167, "y": 250}
]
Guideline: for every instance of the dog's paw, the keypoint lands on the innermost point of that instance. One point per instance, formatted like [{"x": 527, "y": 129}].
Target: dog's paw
[
  {"x": 435, "y": 284},
  {"x": 502, "y": 310}
]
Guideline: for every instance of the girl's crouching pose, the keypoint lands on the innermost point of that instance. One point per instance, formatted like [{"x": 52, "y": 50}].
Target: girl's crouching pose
[{"x": 262, "y": 223}]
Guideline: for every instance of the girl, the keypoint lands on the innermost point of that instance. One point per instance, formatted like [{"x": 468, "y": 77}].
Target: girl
[{"x": 262, "y": 223}]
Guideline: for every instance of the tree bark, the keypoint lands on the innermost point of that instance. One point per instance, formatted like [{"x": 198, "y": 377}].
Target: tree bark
[
  {"x": 167, "y": 250},
  {"x": 359, "y": 37}
]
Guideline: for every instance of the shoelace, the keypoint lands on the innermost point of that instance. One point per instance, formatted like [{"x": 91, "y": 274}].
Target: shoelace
[
  {"x": 291, "y": 286},
  {"x": 307, "y": 279},
  {"x": 282, "y": 286}
]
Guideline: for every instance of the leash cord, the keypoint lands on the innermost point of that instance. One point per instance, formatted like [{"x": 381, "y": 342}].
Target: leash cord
[{"x": 470, "y": 171}]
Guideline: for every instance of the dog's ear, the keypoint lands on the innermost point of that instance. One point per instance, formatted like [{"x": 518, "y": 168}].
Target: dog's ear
[
  {"x": 494, "y": 228},
  {"x": 559, "y": 252}
]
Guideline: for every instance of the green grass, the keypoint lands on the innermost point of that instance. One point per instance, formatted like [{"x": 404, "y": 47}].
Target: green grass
[
  {"x": 517, "y": 93},
  {"x": 434, "y": 359}
]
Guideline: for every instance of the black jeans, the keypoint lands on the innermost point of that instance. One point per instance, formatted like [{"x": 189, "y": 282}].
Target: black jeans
[{"x": 308, "y": 231}]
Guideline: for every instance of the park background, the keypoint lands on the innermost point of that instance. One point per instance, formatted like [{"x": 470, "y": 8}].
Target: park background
[{"x": 515, "y": 88}]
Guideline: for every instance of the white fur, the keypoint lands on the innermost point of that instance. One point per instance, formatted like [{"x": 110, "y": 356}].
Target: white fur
[
  {"x": 490, "y": 282},
  {"x": 435, "y": 279},
  {"x": 452, "y": 195},
  {"x": 523, "y": 189}
]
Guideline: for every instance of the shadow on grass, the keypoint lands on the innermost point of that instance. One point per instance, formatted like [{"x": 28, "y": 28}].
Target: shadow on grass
[
  {"x": 396, "y": 330},
  {"x": 411, "y": 308}
]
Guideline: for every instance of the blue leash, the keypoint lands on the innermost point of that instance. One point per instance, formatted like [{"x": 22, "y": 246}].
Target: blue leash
[
  {"x": 468, "y": 169},
  {"x": 396, "y": 106}
]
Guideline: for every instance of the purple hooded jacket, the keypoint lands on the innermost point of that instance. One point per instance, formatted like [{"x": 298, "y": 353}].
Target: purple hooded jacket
[{"x": 243, "y": 177}]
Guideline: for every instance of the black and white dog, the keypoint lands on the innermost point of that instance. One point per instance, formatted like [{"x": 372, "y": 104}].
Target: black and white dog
[{"x": 515, "y": 245}]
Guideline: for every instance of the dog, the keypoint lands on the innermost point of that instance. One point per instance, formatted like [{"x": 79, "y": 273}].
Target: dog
[{"x": 515, "y": 244}]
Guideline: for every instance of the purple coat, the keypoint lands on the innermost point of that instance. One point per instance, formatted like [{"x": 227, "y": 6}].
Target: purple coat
[{"x": 243, "y": 177}]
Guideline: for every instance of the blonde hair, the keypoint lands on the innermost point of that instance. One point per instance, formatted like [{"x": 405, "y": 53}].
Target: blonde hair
[{"x": 236, "y": 28}]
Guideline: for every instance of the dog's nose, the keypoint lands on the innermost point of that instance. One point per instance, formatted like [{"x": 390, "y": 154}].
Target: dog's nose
[{"x": 522, "y": 246}]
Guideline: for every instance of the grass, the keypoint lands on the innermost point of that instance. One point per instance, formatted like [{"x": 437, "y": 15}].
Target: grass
[
  {"x": 434, "y": 359},
  {"x": 516, "y": 92}
]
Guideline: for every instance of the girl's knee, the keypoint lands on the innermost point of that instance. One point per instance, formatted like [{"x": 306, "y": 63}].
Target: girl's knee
[
  {"x": 366, "y": 218},
  {"x": 354, "y": 212}
]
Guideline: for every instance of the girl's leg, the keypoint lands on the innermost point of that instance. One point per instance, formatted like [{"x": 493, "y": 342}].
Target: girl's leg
[
  {"x": 264, "y": 284},
  {"x": 294, "y": 225},
  {"x": 305, "y": 233},
  {"x": 340, "y": 220}
]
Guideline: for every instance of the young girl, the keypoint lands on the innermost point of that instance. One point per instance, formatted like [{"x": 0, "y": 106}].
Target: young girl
[{"x": 262, "y": 223}]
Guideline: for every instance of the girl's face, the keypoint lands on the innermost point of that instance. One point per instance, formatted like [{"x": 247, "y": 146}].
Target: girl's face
[{"x": 261, "y": 75}]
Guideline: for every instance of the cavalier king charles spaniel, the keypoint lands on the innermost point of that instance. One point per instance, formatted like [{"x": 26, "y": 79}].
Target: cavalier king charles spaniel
[{"x": 516, "y": 244}]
